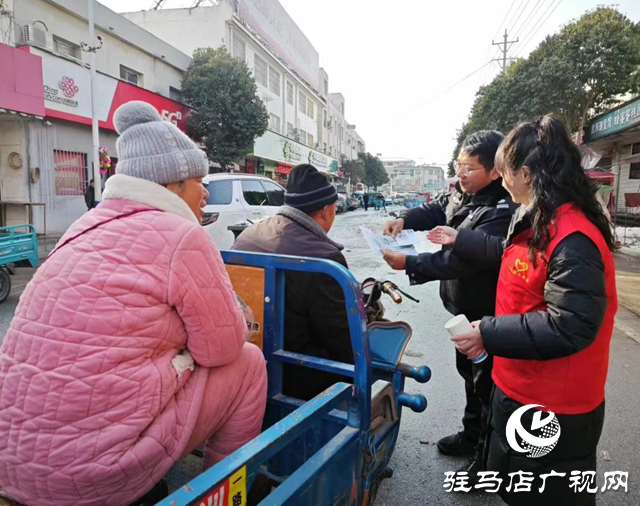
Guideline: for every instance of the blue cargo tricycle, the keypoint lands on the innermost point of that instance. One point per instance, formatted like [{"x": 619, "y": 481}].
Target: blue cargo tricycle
[
  {"x": 17, "y": 244},
  {"x": 335, "y": 448}
]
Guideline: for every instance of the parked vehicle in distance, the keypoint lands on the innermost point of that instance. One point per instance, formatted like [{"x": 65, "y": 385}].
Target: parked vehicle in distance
[
  {"x": 342, "y": 204},
  {"x": 354, "y": 202},
  {"x": 235, "y": 199}
]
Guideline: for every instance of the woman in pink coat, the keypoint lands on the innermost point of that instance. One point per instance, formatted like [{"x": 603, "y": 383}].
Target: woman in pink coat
[{"x": 127, "y": 349}]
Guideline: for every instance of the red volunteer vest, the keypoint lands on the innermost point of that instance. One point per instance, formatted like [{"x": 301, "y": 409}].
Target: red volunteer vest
[{"x": 569, "y": 385}]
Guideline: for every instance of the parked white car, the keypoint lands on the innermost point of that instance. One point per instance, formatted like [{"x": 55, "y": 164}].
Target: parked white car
[{"x": 235, "y": 199}]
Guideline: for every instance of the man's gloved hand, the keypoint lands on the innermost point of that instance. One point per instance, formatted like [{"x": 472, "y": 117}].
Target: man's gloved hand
[
  {"x": 396, "y": 261},
  {"x": 393, "y": 227}
]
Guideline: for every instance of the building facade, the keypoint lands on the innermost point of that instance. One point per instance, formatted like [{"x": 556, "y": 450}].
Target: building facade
[
  {"x": 407, "y": 176},
  {"x": 615, "y": 137},
  {"x": 48, "y": 127},
  {"x": 294, "y": 89}
]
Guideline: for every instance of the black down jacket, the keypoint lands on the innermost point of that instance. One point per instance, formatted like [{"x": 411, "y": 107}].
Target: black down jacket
[
  {"x": 315, "y": 315},
  {"x": 466, "y": 286}
]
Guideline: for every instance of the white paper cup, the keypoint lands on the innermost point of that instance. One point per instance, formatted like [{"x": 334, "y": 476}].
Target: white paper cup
[{"x": 460, "y": 325}]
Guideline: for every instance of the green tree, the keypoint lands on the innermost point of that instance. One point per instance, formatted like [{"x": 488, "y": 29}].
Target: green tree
[
  {"x": 227, "y": 113},
  {"x": 353, "y": 169},
  {"x": 574, "y": 74},
  {"x": 374, "y": 172}
]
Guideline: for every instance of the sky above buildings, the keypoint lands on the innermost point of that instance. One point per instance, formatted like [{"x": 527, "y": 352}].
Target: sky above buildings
[{"x": 400, "y": 65}]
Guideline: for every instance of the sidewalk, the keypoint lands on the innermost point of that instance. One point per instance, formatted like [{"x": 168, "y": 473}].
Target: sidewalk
[{"x": 628, "y": 281}]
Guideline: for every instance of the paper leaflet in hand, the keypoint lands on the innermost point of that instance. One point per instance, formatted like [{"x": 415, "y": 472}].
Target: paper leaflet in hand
[{"x": 403, "y": 243}]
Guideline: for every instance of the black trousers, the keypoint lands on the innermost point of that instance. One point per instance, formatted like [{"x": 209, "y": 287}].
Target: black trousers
[
  {"x": 478, "y": 386},
  {"x": 575, "y": 451}
]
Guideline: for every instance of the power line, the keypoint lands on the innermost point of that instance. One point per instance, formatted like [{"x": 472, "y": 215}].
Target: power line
[
  {"x": 419, "y": 106},
  {"x": 505, "y": 18},
  {"x": 528, "y": 37},
  {"x": 524, "y": 8},
  {"x": 531, "y": 16}
]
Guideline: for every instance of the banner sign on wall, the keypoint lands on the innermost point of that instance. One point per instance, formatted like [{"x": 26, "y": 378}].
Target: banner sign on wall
[
  {"x": 67, "y": 94},
  {"x": 273, "y": 146}
]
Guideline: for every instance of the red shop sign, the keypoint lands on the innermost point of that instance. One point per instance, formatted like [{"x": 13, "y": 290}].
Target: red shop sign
[{"x": 283, "y": 168}]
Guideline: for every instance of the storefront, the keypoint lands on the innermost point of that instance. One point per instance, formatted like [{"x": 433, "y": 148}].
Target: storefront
[
  {"x": 614, "y": 140},
  {"x": 21, "y": 104},
  {"x": 52, "y": 133},
  {"x": 275, "y": 155}
]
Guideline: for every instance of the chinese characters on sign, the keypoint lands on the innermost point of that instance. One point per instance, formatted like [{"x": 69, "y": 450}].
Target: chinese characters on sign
[
  {"x": 521, "y": 481},
  {"x": 615, "y": 121}
]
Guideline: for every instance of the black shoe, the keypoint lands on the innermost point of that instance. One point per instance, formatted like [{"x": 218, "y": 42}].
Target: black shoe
[
  {"x": 471, "y": 468},
  {"x": 457, "y": 445}
]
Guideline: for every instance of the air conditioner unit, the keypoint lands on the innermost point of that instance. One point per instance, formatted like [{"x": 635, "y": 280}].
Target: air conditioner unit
[{"x": 37, "y": 36}]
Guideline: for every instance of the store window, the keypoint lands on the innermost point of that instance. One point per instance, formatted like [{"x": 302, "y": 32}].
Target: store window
[
  {"x": 70, "y": 172},
  {"x": 254, "y": 193}
]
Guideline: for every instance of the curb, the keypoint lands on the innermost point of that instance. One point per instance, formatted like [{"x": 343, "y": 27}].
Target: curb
[{"x": 629, "y": 252}]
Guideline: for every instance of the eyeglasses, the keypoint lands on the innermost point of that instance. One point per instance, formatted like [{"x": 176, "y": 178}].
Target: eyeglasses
[{"x": 464, "y": 169}]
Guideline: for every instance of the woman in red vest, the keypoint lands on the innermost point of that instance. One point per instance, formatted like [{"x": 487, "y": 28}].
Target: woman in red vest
[{"x": 555, "y": 307}]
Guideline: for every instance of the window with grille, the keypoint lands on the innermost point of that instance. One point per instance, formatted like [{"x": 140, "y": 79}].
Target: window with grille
[
  {"x": 67, "y": 48},
  {"x": 302, "y": 102},
  {"x": 260, "y": 69},
  {"x": 274, "y": 123},
  {"x": 303, "y": 137},
  {"x": 239, "y": 47},
  {"x": 131, "y": 76},
  {"x": 311, "y": 109},
  {"x": 70, "y": 172},
  {"x": 289, "y": 130},
  {"x": 274, "y": 81},
  {"x": 289, "y": 93}
]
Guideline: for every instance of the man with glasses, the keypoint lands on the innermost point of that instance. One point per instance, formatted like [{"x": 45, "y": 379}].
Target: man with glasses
[{"x": 480, "y": 203}]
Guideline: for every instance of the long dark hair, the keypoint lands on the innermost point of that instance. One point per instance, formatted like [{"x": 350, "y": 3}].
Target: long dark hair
[{"x": 557, "y": 177}]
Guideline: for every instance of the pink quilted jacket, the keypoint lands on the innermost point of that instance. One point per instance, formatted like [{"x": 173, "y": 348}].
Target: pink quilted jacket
[{"x": 94, "y": 404}]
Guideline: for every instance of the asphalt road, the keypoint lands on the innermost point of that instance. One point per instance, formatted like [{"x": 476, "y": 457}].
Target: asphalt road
[{"x": 418, "y": 467}]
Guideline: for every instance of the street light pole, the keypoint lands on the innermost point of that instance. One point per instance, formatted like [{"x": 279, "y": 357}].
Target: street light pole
[{"x": 95, "y": 132}]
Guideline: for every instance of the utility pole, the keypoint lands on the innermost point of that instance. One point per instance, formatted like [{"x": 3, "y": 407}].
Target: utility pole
[
  {"x": 91, "y": 48},
  {"x": 503, "y": 47}
]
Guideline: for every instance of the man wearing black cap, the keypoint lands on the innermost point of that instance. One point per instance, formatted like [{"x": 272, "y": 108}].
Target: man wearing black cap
[{"x": 315, "y": 314}]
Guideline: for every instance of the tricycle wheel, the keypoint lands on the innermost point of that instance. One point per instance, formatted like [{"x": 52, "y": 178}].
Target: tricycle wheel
[{"x": 5, "y": 285}]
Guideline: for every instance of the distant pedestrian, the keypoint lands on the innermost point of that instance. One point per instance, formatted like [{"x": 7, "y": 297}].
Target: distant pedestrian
[
  {"x": 365, "y": 200},
  {"x": 90, "y": 196}
]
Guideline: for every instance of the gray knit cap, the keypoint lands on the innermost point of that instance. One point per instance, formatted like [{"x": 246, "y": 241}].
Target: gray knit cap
[{"x": 156, "y": 150}]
